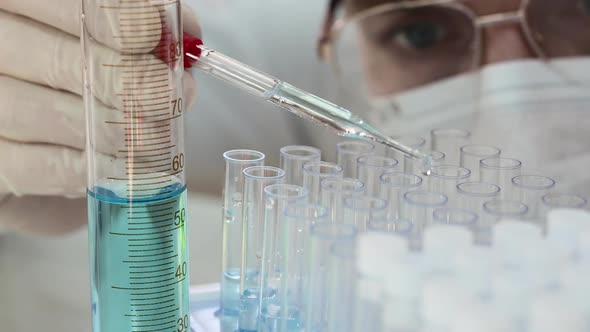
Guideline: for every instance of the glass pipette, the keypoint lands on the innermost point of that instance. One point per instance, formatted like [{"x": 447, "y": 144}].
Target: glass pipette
[{"x": 290, "y": 98}]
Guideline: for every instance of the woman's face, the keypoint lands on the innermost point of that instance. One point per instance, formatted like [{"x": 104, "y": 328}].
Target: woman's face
[{"x": 401, "y": 49}]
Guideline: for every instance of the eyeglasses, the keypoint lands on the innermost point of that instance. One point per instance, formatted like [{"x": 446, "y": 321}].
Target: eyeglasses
[{"x": 400, "y": 45}]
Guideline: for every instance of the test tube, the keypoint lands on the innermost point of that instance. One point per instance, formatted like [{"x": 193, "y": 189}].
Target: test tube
[
  {"x": 386, "y": 224},
  {"x": 455, "y": 217},
  {"x": 418, "y": 208},
  {"x": 256, "y": 179},
  {"x": 294, "y": 264},
  {"x": 293, "y": 157},
  {"x": 472, "y": 195},
  {"x": 341, "y": 286},
  {"x": 500, "y": 171},
  {"x": 314, "y": 173},
  {"x": 359, "y": 210},
  {"x": 496, "y": 210},
  {"x": 449, "y": 141},
  {"x": 231, "y": 251},
  {"x": 414, "y": 142},
  {"x": 348, "y": 152},
  {"x": 415, "y": 166},
  {"x": 530, "y": 189},
  {"x": 563, "y": 201},
  {"x": 277, "y": 198},
  {"x": 370, "y": 168},
  {"x": 334, "y": 191},
  {"x": 472, "y": 154},
  {"x": 445, "y": 178},
  {"x": 393, "y": 186},
  {"x": 322, "y": 237}
]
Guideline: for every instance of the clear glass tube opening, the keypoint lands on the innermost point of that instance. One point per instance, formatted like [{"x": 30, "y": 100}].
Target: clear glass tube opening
[
  {"x": 471, "y": 155},
  {"x": 562, "y": 200},
  {"x": 530, "y": 190},
  {"x": 323, "y": 237},
  {"x": 497, "y": 210},
  {"x": 418, "y": 207},
  {"x": 314, "y": 173},
  {"x": 293, "y": 158},
  {"x": 231, "y": 244},
  {"x": 256, "y": 179},
  {"x": 334, "y": 191},
  {"x": 295, "y": 263},
  {"x": 471, "y": 196},
  {"x": 370, "y": 168},
  {"x": 445, "y": 178},
  {"x": 500, "y": 171},
  {"x": 402, "y": 227},
  {"x": 406, "y": 162},
  {"x": 348, "y": 152},
  {"x": 393, "y": 186},
  {"x": 449, "y": 141},
  {"x": 359, "y": 210},
  {"x": 277, "y": 198}
]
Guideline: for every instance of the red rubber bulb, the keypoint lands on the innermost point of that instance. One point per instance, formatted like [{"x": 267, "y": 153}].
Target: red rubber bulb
[{"x": 191, "y": 46}]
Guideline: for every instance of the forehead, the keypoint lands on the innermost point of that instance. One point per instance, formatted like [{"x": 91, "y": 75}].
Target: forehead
[{"x": 482, "y": 7}]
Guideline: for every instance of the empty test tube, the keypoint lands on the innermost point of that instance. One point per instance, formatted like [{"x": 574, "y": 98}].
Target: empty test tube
[
  {"x": 349, "y": 151},
  {"x": 500, "y": 171},
  {"x": 293, "y": 157},
  {"x": 342, "y": 277},
  {"x": 530, "y": 189},
  {"x": 496, "y": 210},
  {"x": 314, "y": 173},
  {"x": 385, "y": 224},
  {"x": 472, "y": 154},
  {"x": 562, "y": 201},
  {"x": 418, "y": 207},
  {"x": 291, "y": 296},
  {"x": 322, "y": 237},
  {"x": 405, "y": 161},
  {"x": 445, "y": 178},
  {"x": 449, "y": 141},
  {"x": 472, "y": 195},
  {"x": 334, "y": 191},
  {"x": 374, "y": 251},
  {"x": 235, "y": 163},
  {"x": 393, "y": 186},
  {"x": 370, "y": 168},
  {"x": 359, "y": 210},
  {"x": 277, "y": 198},
  {"x": 256, "y": 179},
  {"x": 455, "y": 217}
]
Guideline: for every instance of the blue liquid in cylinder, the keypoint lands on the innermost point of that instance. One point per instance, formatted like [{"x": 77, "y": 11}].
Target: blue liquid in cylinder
[{"x": 138, "y": 261}]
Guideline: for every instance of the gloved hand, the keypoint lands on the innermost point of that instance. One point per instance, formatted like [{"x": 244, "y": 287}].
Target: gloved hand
[{"x": 42, "y": 122}]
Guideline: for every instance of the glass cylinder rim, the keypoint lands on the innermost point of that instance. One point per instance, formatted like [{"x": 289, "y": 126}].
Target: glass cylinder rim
[
  {"x": 343, "y": 146},
  {"x": 486, "y": 163},
  {"x": 337, "y": 168},
  {"x": 314, "y": 152},
  {"x": 472, "y": 220},
  {"x": 464, "y": 172},
  {"x": 349, "y": 203},
  {"x": 545, "y": 199},
  {"x": 493, "y": 193},
  {"x": 408, "y": 140},
  {"x": 408, "y": 226},
  {"x": 279, "y": 173},
  {"x": 437, "y": 155},
  {"x": 466, "y": 149},
  {"x": 407, "y": 199},
  {"x": 550, "y": 183},
  {"x": 300, "y": 192},
  {"x": 292, "y": 212},
  {"x": 520, "y": 211},
  {"x": 450, "y": 132},
  {"x": 259, "y": 156},
  {"x": 327, "y": 184},
  {"x": 417, "y": 183},
  {"x": 366, "y": 161},
  {"x": 325, "y": 230}
]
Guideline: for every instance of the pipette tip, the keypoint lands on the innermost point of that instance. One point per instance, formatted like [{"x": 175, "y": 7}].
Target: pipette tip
[{"x": 192, "y": 49}]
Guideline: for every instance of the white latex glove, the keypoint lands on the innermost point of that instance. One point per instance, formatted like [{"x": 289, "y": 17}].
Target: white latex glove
[{"x": 42, "y": 123}]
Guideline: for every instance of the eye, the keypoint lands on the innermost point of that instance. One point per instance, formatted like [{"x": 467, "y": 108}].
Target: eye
[{"x": 420, "y": 35}]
